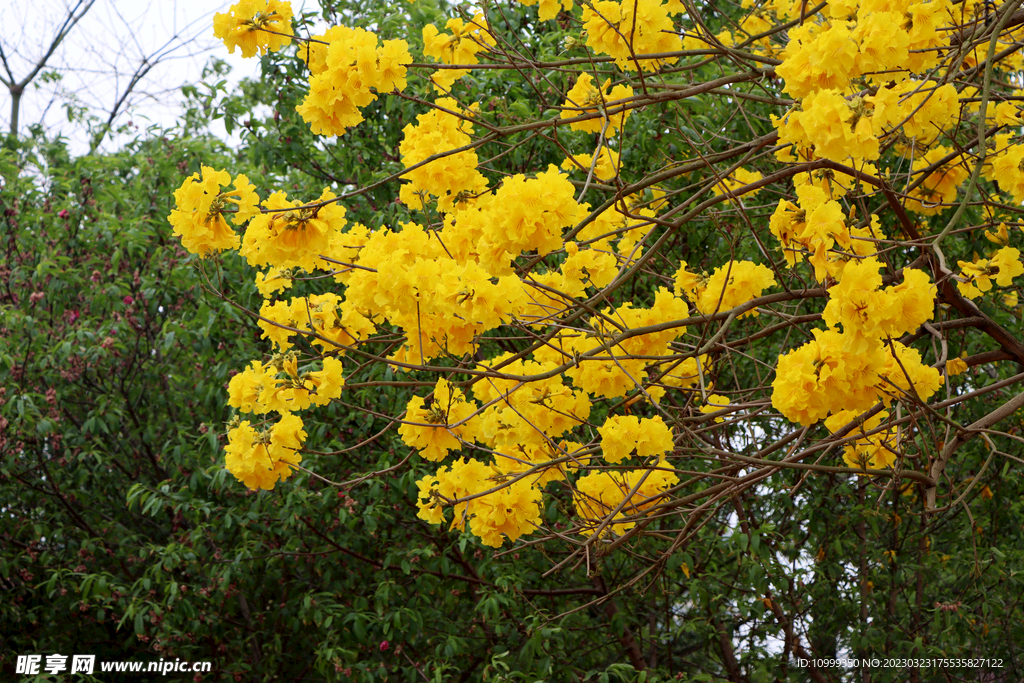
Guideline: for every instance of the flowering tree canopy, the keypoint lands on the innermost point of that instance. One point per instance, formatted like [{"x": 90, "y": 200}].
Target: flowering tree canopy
[{"x": 644, "y": 269}]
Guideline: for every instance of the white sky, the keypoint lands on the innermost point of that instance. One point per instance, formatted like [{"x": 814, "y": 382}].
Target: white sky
[{"x": 100, "y": 55}]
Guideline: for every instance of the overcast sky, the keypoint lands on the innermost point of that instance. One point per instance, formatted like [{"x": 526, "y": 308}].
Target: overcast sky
[{"x": 100, "y": 54}]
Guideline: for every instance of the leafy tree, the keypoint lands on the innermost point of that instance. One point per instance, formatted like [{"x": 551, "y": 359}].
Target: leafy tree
[
  {"x": 127, "y": 539},
  {"x": 680, "y": 488}
]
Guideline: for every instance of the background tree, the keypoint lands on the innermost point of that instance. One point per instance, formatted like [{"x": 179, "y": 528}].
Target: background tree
[{"x": 81, "y": 69}]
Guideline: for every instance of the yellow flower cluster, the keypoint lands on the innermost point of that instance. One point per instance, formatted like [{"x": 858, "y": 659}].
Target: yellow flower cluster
[
  {"x": 549, "y": 461},
  {"x": 461, "y": 46},
  {"x": 336, "y": 322},
  {"x": 977, "y": 276},
  {"x": 452, "y": 178},
  {"x": 868, "y": 313},
  {"x": 875, "y": 38},
  {"x": 837, "y": 128},
  {"x": 631, "y": 493},
  {"x": 868, "y": 452},
  {"x": 585, "y": 98},
  {"x": 521, "y": 422},
  {"x": 824, "y": 376},
  {"x": 852, "y": 369},
  {"x": 260, "y": 459},
  {"x": 884, "y": 43},
  {"x": 739, "y": 178},
  {"x": 524, "y": 214},
  {"x": 595, "y": 267},
  {"x": 517, "y": 424},
  {"x": 842, "y": 129},
  {"x": 343, "y": 73},
  {"x": 927, "y": 107},
  {"x": 625, "y": 222},
  {"x": 816, "y": 228},
  {"x": 938, "y": 189},
  {"x": 439, "y": 430},
  {"x": 286, "y": 236},
  {"x": 511, "y": 512},
  {"x": 621, "y": 436},
  {"x": 605, "y": 168},
  {"x": 611, "y": 371},
  {"x": 629, "y": 29},
  {"x": 255, "y": 26},
  {"x": 411, "y": 280},
  {"x": 731, "y": 285},
  {"x": 1008, "y": 168},
  {"x": 532, "y": 414},
  {"x": 198, "y": 216},
  {"x": 279, "y": 387}
]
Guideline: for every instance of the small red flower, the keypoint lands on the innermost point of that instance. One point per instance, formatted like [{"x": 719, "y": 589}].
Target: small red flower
[{"x": 384, "y": 645}]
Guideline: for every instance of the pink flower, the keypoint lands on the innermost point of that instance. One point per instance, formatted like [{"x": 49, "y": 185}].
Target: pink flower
[
  {"x": 63, "y": 213},
  {"x": 384, "y": 645},
  {"x": 128, "y": 300}
]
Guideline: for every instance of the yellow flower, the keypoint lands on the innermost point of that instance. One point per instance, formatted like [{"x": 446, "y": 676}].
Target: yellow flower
[
  {"x": 939, "y": 188},
  {"x": 247, "y": 387},
  {"x": 631, "y": 28},
  {"x": 343, "y": 73},
  {"x": 817, "y": 60},
  {"x": 286, "y": 237},
  {"x": 904, "y": 374},
  {"x": 273, "y": 280},
  {"x": 260, "y": 459},
  {"x": 740, "y": 178},
  {"x": 549, "y": 9},
  {"x": 200, "y": 206},
  {"x": 255, "y": 26},
  {"x": 1007, "y": 114},
  {"x": 510, "y": 512},
  {"x": 868, "y": 313},
  {"x": 598, "y": 493},
  {"x": 730, "y": 286},
  {"x": 869, "y": 452},
  {"x": 453, "y": 178},
  {"x": 1001, "y": 236},
  {"x": 621, "y": 435},
  {"x": 824, "y": 376},
  {"x": 955, "y": 366},
  {"x": 976, "y": 276},
  {"x": 1005, "y": 265},
  {"x": 714, "y": 404},
  {"x": 586, "y": 98},
  {"x": 430, "y": 509},
  {"x": 605, "y": 168},
  {"x": 327, "y": 383},
  {"x": 447, "y": 408},
  {"x": 461, "y": 46}
]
